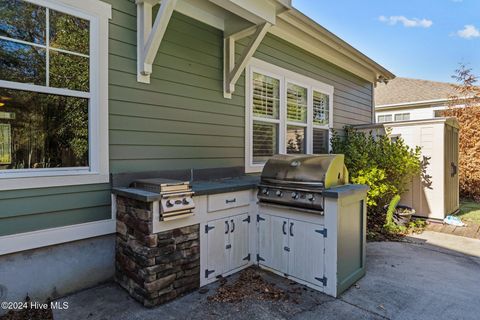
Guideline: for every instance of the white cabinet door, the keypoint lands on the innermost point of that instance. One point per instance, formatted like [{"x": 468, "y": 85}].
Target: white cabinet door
[
  {"x": 273, "y": 242},
  {"x": 239, "y": 241},
  {"x": 217, "y": 240},
  {"x": 306, "y": 261}
]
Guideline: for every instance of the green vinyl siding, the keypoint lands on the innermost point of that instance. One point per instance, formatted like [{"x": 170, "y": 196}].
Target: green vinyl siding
[
  {"x": 180, "y": 120},
  {"x": 36, "y": 209}
]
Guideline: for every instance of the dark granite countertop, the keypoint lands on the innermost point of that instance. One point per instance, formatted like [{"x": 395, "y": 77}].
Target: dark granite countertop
[
  {"x": 345, "y": 190},
  {"x": 225, "y": 185},
  {"x": 214, "y": 186},
  {"x": 202, "y": 187}
]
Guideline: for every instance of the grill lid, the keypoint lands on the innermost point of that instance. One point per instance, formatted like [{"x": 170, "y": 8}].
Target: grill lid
[{"x": 321, "y": 171}]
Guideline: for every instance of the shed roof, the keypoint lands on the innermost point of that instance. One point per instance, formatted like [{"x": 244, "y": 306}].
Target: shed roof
[{"x": 406, "y": 91}]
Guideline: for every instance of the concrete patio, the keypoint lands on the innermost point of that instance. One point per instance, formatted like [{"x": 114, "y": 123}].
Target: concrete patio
[{"x": 426, "y": 277}]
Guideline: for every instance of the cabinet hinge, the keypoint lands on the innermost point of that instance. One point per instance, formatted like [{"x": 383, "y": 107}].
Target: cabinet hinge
[
  {"x": 208, "y": 272},
  {"x": 322, "y": 280},
  {"x": 208, "y": 228},
  {"x": 228, "y": 246},
  {"x": 247, "y": 258},
  {"x": 259, "y": 258},
  {"x": 247, "y": 219},
  {"x": 286, "y": 249},
  {"x": 260, "y": 218},
  {"x": 322, "y": 232}
]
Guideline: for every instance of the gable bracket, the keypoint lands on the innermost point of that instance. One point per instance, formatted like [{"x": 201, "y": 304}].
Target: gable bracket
[
  {"x": 232, "y": 69},
  {"x": 150, "y": 37}
]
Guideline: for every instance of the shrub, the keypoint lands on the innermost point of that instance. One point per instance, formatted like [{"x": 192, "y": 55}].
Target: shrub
[{"x": 387, "y": 166}]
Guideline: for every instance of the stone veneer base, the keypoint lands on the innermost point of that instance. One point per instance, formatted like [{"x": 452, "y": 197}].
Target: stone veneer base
[{"x": 154, "y": 268}]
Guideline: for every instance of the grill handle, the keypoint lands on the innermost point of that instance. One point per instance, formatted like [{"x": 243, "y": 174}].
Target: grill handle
[
  {"x": 283, "y": 227},
  {"x": 233, "y": 226},
  {"x": 231, "y": 200},
  {"x": 291, "y": 229},
  {"x": 227, "y": 227}
]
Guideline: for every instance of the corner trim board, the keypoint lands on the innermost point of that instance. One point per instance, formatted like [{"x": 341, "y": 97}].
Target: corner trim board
[
  {"x": 47, "y": 237},
  {"x": 149, "y": 38}
]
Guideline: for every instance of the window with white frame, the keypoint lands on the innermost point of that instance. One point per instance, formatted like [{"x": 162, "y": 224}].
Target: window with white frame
[
  {"x": 52, "y": 110},
  {"x": 286, "y": 113},
  {"x": 402, "y": 116},
  {"x": 384, "y": 118}
]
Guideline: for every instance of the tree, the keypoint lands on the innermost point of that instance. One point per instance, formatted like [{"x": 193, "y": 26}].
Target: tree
[{"x": 464, "y": 104}]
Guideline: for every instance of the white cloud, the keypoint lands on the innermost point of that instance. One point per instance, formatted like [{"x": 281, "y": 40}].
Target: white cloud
[
  {"x": 468, "y": 32},
  {"x": 409, "y": 23}
]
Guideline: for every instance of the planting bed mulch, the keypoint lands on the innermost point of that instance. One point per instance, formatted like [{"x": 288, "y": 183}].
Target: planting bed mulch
[
  {"x": 250, "y": 285},
  {"x": 376, "y": 231}
]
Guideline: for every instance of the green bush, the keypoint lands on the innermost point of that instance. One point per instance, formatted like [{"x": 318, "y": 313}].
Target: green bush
[{"x": 386, "y": 165}]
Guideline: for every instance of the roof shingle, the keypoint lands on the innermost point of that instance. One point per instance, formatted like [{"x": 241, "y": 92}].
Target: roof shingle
[{"x": 405, "y": 90}]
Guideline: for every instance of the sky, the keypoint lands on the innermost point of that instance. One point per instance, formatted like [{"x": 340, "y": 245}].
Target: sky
[{"x": 422, "y": 39}]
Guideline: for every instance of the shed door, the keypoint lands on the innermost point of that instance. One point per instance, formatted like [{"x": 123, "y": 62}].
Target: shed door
[{"x": 452, "y": 201}]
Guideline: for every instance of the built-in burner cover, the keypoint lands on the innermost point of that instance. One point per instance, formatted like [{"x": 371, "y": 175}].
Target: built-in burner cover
[{"x": 160, "y": 185}]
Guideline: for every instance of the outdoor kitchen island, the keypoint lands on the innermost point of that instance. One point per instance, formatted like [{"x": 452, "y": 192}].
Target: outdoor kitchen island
[{"x": 229, "y": 230}]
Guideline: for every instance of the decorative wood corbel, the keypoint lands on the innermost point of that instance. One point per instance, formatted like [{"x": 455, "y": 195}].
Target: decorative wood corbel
[
  {"x": 149, "y": 38},
  {"x": 232, "y": 70}
]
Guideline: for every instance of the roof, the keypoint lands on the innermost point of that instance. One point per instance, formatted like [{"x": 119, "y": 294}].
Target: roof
[{"x": 411, "y": 91}]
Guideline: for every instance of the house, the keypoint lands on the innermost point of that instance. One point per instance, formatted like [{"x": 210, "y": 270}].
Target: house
[
  {"x": 405, "y": 99},
  {"x": 93, "y": 90}
]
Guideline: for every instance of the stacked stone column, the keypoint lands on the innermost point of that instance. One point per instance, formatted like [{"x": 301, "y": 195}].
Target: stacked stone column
[{"x": 154, "y": 268}]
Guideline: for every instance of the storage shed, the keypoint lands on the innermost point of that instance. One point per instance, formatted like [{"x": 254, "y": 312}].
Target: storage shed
[{"x": 438, "y": 139}]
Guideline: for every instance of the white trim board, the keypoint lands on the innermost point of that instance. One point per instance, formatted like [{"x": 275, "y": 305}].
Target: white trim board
[{"x": 54, "y": 236}]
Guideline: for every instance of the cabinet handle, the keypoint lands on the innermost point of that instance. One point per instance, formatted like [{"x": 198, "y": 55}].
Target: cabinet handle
[
  {"x": 227, "y": 227},
  {"x": 231, "y": 200},
  {"x": 291, "y": 229},
  {"x": 283, "y": 227},
  {"x": 233, "y": 225}
]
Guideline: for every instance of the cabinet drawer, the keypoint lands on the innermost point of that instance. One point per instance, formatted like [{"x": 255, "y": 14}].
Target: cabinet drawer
[{"x": 228, "y": 200}]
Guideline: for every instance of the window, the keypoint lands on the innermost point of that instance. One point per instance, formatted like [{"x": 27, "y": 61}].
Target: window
[
  {"x": 266, "y": 112},
  {"x": 53, "y": 109},
  {"x": 286, "y": 113},
  {"x": 402, "y": 116},
  {"x": 384, "y": 118}
]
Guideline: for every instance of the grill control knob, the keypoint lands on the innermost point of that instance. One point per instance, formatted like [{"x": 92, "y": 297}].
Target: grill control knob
[
  {"x": 265, "y": 191},
  {"x": 310, "y": 197},
  {"x": 186, "y": 201},
  {"x": 295, "y": 195},
  {"x": 169, "y": 203},
  {"x": 279, "y": 193}
]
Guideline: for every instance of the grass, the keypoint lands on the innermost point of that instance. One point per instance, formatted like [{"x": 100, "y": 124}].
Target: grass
[{"x": 469, "y": 211}]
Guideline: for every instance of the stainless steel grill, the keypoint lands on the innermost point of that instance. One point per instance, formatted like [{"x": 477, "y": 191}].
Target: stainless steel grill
[
  {"x": 300, "y": 180},
  {"x": 176, "y": 196}
]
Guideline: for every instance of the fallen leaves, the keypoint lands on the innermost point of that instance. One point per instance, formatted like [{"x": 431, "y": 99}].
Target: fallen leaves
[{"x": 251, "y": 285}]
